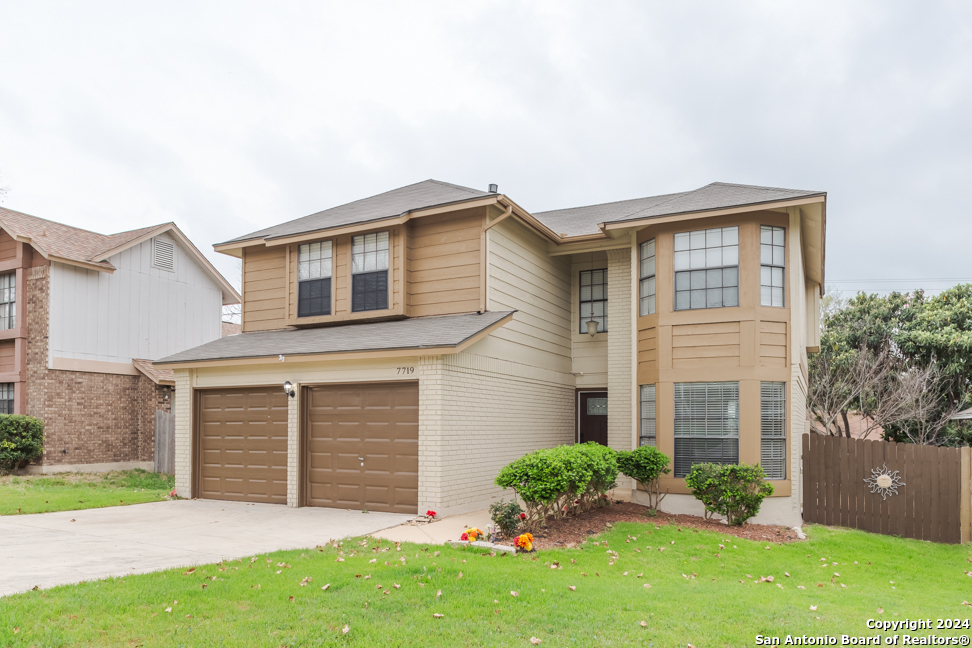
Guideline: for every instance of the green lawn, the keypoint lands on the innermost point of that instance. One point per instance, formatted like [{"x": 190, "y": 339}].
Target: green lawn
[
  {"x": 75, "y": 491},
  {"x": 700, "y": 594}
]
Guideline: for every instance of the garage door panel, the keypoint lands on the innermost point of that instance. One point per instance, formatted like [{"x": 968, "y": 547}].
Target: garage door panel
[
  {"x": 242, "y": 442},
  {"x": 378, "y": 422}
]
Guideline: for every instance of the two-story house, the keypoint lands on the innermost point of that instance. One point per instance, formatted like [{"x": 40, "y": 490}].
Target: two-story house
[
  {"x": 397, "y": 351},
  {"x": 82, "y": 316}
]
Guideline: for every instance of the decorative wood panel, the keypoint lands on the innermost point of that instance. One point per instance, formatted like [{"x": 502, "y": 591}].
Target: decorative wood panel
[
  {"x": 772, "y": 344},
  {"x": 443, "y": 274},
  {"x": 264, "y": 288},
  {"x": 8, "y": 246}
]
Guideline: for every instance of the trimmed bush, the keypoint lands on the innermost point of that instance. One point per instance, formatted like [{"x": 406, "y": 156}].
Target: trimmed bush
[
  {"x": 735, "y": 491},
  {"x": 21, "y": 439},
  {"x": 645, "y": 465},
  {"x": 555, "y": 482},
  {"x": 506, "y": 516}
]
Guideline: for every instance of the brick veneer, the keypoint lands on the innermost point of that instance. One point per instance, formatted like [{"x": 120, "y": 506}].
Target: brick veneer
[{"x": 96, "y": 418}]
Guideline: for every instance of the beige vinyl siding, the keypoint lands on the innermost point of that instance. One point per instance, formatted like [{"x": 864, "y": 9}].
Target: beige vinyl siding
[
  {"x": 772, "y": 344},
  {"x": 705, "y": 345},
  {"x": 264, "y": 288},
  {"x": 7, "y": 358},
  {"x": 647, "y": 356},
  {"x": 590, "y": 354},
  {"x": 8, "y": 246},
  {"x": 523, "y": 278},
  {"x": 443, "y": 272}
]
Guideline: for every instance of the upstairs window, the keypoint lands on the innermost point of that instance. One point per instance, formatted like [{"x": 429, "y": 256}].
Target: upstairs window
[
  {"x": 369, "y": 272},
  {"x": 706, "y": 424},
  {"x": 707, "y": 268},
  {"x": 772, "y": 253},
  {"x": 593, "y": 299},
  {"x": 646, "y": 288},
  {"x": 8, "y": 301},
  {"x": 314, "y": 279}
]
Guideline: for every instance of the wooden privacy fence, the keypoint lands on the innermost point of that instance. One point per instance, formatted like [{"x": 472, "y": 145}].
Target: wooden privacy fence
[
  {"x": 164, "y": 442},
  {"x": 901, "y": 489}
]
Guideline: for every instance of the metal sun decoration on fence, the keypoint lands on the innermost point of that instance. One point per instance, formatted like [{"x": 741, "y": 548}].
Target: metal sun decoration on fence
[{"x": 884, "y": 482}]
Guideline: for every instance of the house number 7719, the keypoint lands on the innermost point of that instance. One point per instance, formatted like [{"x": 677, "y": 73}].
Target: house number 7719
[{"x": 406, "y": 370}]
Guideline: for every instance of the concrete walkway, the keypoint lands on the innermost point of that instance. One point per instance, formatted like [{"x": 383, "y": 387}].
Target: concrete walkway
[
  {"x": 438, "y": 532},
  {"x": 49, "y": 549}
]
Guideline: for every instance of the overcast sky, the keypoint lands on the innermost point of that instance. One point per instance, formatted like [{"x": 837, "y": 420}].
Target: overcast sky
[{"x": 227, "y": 117}]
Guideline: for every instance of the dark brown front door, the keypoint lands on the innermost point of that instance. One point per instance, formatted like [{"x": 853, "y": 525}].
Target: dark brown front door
[
  {"x": 241, "y": 444},
  {"x": 592, "y": 417},
  {"x": 361, "y": 446}
]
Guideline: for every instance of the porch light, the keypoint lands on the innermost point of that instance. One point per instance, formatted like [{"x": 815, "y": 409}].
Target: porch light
[
  {"x": 289, "y": 389},
  {"x": 592, "y": 327}
]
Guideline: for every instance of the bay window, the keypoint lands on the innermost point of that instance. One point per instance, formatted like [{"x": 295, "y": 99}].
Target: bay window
[
  {"x": 706, "y": 424},
  {"x": 707, "y": 268}
]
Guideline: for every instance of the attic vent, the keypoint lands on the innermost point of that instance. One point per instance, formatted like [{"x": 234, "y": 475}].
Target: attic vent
[{"x": 163, "y": 254}]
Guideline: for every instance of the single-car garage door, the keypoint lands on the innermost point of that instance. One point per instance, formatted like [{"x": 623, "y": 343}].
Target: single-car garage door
[
  {"x": 361, "y": 446},
  {"x": 241, "y": 442}
]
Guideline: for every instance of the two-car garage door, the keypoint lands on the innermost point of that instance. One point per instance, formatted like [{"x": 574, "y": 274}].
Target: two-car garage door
[{"x": 359, "y": 446}]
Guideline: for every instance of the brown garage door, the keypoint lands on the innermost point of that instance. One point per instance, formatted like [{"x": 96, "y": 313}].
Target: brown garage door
[
  {"x": 361, "y": 446},
  {"x": 241, "y": 446}
]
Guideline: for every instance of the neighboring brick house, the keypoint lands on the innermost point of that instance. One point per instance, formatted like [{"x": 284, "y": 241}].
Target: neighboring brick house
[
  {"x": 431, "y": 334},
  {"x": 82, "y": 316}
]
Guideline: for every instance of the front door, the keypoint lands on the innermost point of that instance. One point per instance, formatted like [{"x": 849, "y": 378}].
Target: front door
[{"x": 592, "y": 417}]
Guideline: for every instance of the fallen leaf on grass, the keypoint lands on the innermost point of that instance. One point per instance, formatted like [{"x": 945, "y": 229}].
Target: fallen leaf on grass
[
  {"x": 880, "y": 610},
  {"x": 460, "y": 574},
  {"x": 204, "y": 586},
  {"x": 438, "y": 616},
  {"x": 189, "y": 571},
  {"x": 535, "y": 641},
  {"x": 325, "y": 587},
  {"x": 168, "y": 609},
  {"x": 572, "y": 588},
  {"x": 16, "y": 630},
  {"x": 438, "y": 594},
  {"x": 644, "y": 624},
  {"x": 801, "y": 587},
  {"x": 514, "y": 593},
  {"x": 647, "y": 586},
  {"x": 813, "y": 608},
  {"x": 346, "y": 630}
]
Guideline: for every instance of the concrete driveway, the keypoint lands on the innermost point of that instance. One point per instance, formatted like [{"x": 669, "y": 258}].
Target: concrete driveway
[{"x": 49, "y": 549}]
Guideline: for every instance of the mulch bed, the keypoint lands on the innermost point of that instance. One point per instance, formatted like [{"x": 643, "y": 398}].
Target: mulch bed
[{"x": 572, "y": 531}]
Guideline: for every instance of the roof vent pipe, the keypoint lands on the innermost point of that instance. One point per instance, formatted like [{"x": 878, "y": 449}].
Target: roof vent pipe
[{"x": 493, "y": 188}]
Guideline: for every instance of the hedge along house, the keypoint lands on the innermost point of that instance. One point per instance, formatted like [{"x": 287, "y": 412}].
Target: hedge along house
[
  {"x": 431, "y": 334},
  {"x": 82, "y": 315}
]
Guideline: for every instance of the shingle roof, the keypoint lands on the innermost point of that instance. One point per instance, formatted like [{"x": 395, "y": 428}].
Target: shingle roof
[
  {"x": 157, "y": 375},
  {"x": 718, "y": 195},
  {"x": 421, "y": 195},
  {"x": 416, "y": 333},
  {"x": 65, "y": 241}
]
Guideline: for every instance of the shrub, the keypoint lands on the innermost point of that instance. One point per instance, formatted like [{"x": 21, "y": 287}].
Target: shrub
[
  {"x": 555, "y": 482},
  {"x": 735, "y": 491},
  {"x": 506, "y": 516},
  {"x": 21, "y": 439},
  {"x": 645, "y": 465}
]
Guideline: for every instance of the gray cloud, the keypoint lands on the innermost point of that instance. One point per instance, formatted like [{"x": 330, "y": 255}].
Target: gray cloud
[{"x": 230, "y": 116}]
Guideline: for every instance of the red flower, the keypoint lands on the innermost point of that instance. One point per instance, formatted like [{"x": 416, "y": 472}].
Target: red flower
[
  {"x": 522, "y": 516},
  {"x": 464, "y": 536},
  {"x": 431, "y": 514}
]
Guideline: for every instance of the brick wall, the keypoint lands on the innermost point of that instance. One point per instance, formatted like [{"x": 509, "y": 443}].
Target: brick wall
[
  {"x": 620, "y": 351},
  {"x": 96, "y": 418},
  {"x": 477, "y": 414}
]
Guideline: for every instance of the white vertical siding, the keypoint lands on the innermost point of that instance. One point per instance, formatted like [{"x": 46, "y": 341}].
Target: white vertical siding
[{"x": 136, "y": 312}]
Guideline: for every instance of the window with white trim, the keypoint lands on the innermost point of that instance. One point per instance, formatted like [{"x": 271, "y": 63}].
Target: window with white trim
[
  {"x": 369, "y": 272},
  {"x": 772, "y": 424},
  {"x": 772, "y": 254},
  {"x": 593, "y": 299},
  {"x": 8, "y": 300},
  {"x": 706, "y": 424},
  {"x": 646, "y": 272},
  {"x": 707, "y": 268},
  {"x": 647, "y": 398},
  {"x": 314, "y": 268},
  {"x": 6, "y": 398}
]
